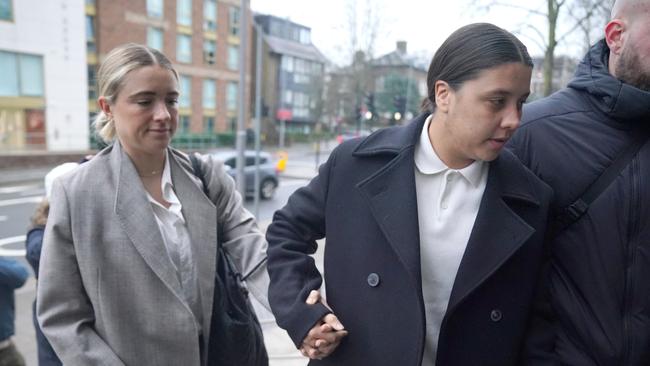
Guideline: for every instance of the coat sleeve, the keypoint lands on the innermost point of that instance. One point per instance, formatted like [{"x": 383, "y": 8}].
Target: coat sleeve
[
  {"x": 33, "y": 246},
  {"x": 292, "y": 240},
  {"x": 12, "y": 274},
  {"x": 64, "y": 311},
  {"x": 239, "y": 232}
]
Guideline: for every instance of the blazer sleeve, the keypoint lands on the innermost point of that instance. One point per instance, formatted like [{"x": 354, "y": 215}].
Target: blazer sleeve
[
  {"x": 64, "y": 311},
  {"x": 239, "y": 232},
  {"x": 292, "y": 240}
]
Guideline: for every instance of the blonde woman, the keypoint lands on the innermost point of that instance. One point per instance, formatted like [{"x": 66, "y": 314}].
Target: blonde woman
[{"x": 128, "y": 264}]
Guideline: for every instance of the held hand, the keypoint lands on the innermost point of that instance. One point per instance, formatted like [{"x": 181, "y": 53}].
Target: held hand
[{"x": 325, "y": 336}]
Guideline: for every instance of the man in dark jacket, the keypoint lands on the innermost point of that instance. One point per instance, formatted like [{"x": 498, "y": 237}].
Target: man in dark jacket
[{"x": 594, "y": 307}]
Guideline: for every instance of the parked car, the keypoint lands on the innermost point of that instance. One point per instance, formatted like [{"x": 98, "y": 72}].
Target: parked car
[
  {"x": 268, "y": 171},
  {"x": 348, "y": 135}
]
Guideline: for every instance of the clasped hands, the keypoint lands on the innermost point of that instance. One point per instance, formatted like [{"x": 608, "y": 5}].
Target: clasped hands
[{"x": 323, "y": 338}]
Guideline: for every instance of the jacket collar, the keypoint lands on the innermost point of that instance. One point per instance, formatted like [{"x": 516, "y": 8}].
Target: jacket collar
[{"x": 622, "y": 102}]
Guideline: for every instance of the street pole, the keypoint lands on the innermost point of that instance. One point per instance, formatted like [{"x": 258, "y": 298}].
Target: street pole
[
  {"x": 240, "y": 142},
  {"x": 282, "y": 127},
  {"x": 258, "y": 116}
]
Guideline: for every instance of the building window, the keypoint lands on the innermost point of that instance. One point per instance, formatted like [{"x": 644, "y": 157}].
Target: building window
[
  {"x": 305, "y": 37},
  {"x": 209, "y": 52},
  {"x": 91, "y": 46},
  {"x": 209, "y": 94},
  {"x": 208, "y": 124},
  {"x": 92, "y": 82},
  {"x": 184, "y": 48},
  {"x": 184, "y": 124},
  {"x": 155, "y": 38},
  {"x": 233, "y": 57},
  {"x": 231, "y": 96},
  {"x": 185, "y": 99},
  {"x": 155, "y": 8},
  {"x": 287, "y": 63},
  {"x": 21, "y": 75},
  {"x": 184, "y": 12},
  {"x": 210, "y": 15},
  {"x": 233, "y": 29},
  {"x": 287, "y": 97},
  {"x": 6, "y": 10}
]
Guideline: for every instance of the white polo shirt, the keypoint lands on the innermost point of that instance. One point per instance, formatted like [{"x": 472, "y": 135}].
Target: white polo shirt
[{"x": 448, "y": 202}]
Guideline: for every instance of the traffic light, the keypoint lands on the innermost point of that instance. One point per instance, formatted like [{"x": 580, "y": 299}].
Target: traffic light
[
  {"x": 399, "y": 102},
  {"x": 370, "y": 103}
]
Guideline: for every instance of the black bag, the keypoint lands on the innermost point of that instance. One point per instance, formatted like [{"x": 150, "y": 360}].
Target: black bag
[{"x": 235, "y": 334}]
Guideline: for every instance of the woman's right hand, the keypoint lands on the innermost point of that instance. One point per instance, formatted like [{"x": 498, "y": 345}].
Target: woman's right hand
[{"x": 325, "y": 336}]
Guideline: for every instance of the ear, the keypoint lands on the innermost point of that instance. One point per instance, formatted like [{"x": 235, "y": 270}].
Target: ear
[
  {"x": 442, "y": 93},
  {"x": 104, "y": 106},
  {"x": 614, "y": 35}
]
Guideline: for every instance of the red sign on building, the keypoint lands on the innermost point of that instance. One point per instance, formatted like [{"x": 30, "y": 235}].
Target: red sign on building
[{"x": 284, "y": 114}]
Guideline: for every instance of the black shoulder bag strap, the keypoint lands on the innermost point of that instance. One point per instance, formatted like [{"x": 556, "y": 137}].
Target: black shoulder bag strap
[
  {"x": 572, "y": 213},
  {"x": 198, "y": 172}
]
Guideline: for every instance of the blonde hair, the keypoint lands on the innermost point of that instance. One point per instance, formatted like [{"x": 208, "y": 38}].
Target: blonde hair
[{"x": 112, "y": 74}]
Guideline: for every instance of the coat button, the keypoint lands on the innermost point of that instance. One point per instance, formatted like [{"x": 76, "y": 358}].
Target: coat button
[
  {"x": 496, "y": 315},
  {"x": 373, "y": 280}
]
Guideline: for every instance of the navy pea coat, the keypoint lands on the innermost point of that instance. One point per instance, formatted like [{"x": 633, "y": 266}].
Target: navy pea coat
[{"x": 364, "y": 203}]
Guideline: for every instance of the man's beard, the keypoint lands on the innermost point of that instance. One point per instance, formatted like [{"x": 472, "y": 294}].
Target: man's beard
[{"x": 630, "y": 70}]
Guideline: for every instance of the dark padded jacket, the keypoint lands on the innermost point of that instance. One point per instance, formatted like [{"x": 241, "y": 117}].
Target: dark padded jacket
[{"x": 597, "y": 291}]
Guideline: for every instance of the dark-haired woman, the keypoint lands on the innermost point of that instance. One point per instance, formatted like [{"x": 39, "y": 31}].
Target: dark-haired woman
[{"x": 434, "y": 232}]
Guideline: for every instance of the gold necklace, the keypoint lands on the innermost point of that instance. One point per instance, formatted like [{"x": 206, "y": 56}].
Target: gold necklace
[{"x": 149, "y": 175}]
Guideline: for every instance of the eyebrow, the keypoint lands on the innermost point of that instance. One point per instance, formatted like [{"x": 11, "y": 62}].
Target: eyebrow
[
  {"x": 150, "y": 94},
  {"x": 503, "y": 92}
]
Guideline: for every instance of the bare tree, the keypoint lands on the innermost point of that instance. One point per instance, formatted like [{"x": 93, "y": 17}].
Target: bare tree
[{"x": 576, "y": 15}]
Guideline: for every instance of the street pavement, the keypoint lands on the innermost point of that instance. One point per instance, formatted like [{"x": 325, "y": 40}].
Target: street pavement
[{"x": 301, "y": 166}]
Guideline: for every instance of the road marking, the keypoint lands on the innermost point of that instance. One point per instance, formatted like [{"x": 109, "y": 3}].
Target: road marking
[
  {"x": 14, "y": 189},
  {"x": 3, "y": 218},
  {"x": 20, "y": 201},
  {"x": 12, "y": 252}
]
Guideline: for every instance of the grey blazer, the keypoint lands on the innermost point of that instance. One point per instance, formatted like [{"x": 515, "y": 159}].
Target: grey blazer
[{"x": 108, "y": 293}]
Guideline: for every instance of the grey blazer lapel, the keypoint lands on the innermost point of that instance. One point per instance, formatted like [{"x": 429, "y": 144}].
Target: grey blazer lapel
[
  {"x": 138, "y": 221},
  {"x": 201, "y": 218}
]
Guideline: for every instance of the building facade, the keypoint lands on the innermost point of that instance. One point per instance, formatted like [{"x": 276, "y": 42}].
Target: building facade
[
  {"x": 293, "y": 76},
  {"x": 376, "y": 92},
  {"x": 202, "y": 39},
  {"x": 43, "y": 104},
  {"x": 563, "y": 69}
]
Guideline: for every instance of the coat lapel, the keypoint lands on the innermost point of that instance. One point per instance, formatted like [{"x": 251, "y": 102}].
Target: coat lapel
[
  {"x": 201, "y": 218},
  {"x": 137, "y": 218},
  {"x": 390, "y": 192},
  {"x": 498, "y": 231}
]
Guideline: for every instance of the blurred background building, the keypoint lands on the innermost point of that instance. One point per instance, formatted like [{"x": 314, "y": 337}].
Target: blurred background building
[
  {"x": 201, "y": 38},
  {"x": 43, "y": 104},
  {"x": 292, "y": 77}
]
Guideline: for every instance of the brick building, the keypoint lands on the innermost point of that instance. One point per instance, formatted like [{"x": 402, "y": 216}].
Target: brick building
[{"x": 200, "y": 37}]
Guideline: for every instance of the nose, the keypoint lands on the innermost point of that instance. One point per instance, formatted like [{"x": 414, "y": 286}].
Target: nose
[
  {"x": 512, "y": 118},
  {"x": 160, "y": 112}
]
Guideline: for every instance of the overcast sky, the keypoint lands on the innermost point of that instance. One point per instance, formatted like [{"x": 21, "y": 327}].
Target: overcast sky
[{"x": 424, "y": 24}]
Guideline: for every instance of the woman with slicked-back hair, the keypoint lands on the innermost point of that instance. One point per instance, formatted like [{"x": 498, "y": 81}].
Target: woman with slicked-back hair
[
  {"x": 434, "y": 233},
  {"x": 127, "y": 271}
]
